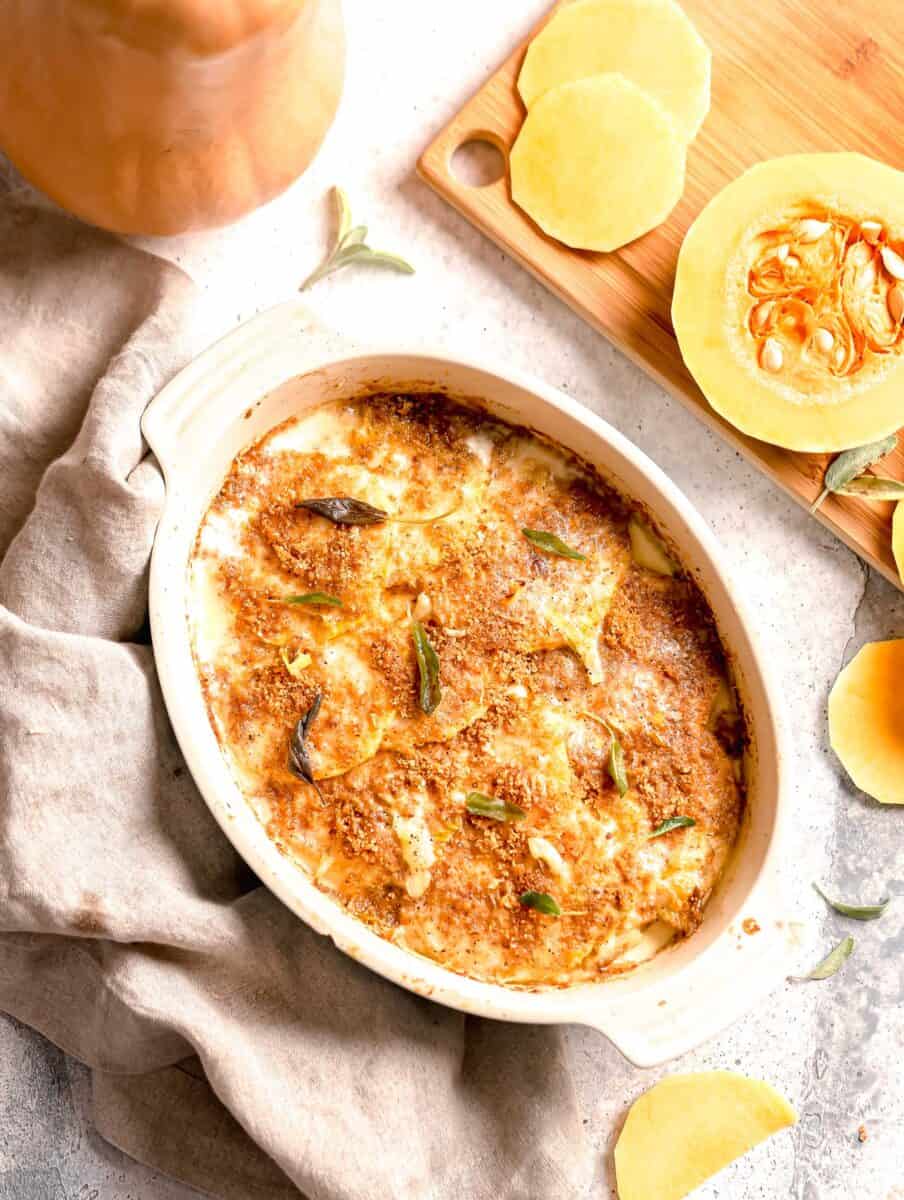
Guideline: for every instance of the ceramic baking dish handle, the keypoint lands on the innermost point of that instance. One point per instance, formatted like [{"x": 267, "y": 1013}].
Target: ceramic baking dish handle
[
  {"x": 212, "y": 391},
  {"x": 728, "y": 980}
]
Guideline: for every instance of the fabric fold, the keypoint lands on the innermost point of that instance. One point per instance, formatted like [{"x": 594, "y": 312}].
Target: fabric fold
[{"x": 130, "y": 932}]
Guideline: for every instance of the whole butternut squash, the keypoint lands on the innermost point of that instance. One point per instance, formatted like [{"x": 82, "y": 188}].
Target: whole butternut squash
[{"x": 159, "y": 116}]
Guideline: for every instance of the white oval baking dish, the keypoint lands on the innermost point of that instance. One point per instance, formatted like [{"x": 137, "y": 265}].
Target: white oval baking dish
[{"x": 268, "y": 370}]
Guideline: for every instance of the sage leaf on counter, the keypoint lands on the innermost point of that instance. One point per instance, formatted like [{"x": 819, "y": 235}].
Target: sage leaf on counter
[
  {"x": 500, "y": 810},
  {"x": 859, "y": 912},
  {"x": 299, "y": 763},
  {"x": 350, "y": 247},
  {"x": 832, "y": 962},
  {"x": 851, "y": 464},
  {"x": 542, "y": 902},
  {"x": 429, "y": 694},
  {"x": 874, "y": 487},
  {"x": 550, "y": 544},
  {"x": 345, "y": 510},
  {"x": 314, "y": 599},
  {"x": 672, "y": 823},
  {"x": 616, "y": 764}
]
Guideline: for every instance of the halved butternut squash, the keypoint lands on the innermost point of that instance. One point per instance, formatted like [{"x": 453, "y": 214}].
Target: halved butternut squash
[
  {"x": 688, "y": 1127},
  {"x": 650, "y": 42},
  {"x": 789, "y": 298},
  {"x": 866, "y": 720},
  {"x": 597, "y": 163}
]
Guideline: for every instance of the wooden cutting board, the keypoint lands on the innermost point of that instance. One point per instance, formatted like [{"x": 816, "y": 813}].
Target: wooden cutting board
[{"x": 789, "y": 76}]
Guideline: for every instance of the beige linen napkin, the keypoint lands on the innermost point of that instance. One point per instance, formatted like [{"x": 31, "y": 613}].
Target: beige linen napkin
[{"x": 130, "y": 933}]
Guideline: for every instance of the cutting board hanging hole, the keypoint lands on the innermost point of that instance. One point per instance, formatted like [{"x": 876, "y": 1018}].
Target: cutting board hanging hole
[{"x": 478, "y": 161}]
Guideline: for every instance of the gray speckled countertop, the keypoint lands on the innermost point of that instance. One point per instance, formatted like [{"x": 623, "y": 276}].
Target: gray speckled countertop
[{"x": 835, "y": 1048}]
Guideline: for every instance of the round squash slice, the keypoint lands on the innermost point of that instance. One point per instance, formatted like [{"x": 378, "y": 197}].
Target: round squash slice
[
  {"x": 650, "y": 42},
  {"x": 597, "y": 163},
  {"x": 789, "y": 299},
  {"x": 897, "y": 537},
  {"x": 866, "y": 720},
  {"x": 688, "y": 1127}
]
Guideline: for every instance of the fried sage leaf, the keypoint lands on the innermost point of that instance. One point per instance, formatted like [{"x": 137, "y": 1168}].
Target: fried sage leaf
[
  {"x": 345, "y": 510},
  {"x": 542, "y": 902},
  {"x": 314, "y": 599},
  {"x": 672, "y": 823},
  {"x": 429, "y": 694},
  {"x": 350, "y": 247},
  {"x": 851, "y": 464},
  {"x": 873, "y": 487},
  {"x": 500, "y": 810},
  {"x": 299, "y": 763},
  {"x": 550, "y": 544},
  {"x": 832, "y": 962},
  {"x": 859, "y": 912}
]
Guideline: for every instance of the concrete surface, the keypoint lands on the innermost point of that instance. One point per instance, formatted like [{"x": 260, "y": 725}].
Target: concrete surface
[{"x": 834, "y": 1048}]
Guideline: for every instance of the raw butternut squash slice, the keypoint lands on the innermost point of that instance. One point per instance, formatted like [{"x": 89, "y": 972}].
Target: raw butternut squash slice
[
  {"x": 688, "y": 1127},
  {"x": 650, "y": 42},
  {"x": 789, "y": 299},
  {"x": 597, "y": 163},
  {"x": 866, "y": 720},
  {"x": 897, "y": 537}
]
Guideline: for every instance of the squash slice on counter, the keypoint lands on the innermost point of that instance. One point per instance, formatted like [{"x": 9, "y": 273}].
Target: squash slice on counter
[
  {"x": 650, "y": 42},
  {"x": 789, "y": 301},
  {"x": 866, "y": 720},
  {"x": 597, "y": 163},
  {"x": 688, "y": 1127},
  {"x": 897, "y": 537}
]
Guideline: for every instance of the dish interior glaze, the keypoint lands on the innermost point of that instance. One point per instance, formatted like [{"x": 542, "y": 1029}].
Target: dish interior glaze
[{"x": 476, "y": 739}]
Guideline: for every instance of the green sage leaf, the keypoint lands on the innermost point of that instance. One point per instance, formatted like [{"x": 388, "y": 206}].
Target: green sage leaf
[
  {"x": 851, "y": 464},
  {"x": 499, "y": 810},
  {"x": 313, "y": 599},
  {"x": 859, "y": 912},
  {"x": 873, "y": 487},
  {"x": 429, "y": 693},
  {"x": 832, "y": 962},
  {"x": 542, "y": 902},
  {"x": 344, "y": 214},
  {"x": 616, "y": 765},
  {"x": 672, "y": 823},
  {"x": 550, "y": 544}
]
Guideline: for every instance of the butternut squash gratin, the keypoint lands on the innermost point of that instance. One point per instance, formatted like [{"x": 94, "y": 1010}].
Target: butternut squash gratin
[{"x": 466, "y": 689}]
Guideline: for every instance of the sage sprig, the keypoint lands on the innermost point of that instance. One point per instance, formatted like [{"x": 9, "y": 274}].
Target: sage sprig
[
  {"x": 672, "y": 823},
  {"x": 299, "y": 762},
  {"x": 499, "y": 810},
  {"x": 429, "y": 693},
  {"x": 831, "y": 964},
  {"x": 859, "y": 912},
  {"x": 350, "y": 247},
  {"x": 542, "y": 902},
  {"x": 851, "y": 464},
  {"x": 314, "y": 599},
  {"x": 550, "y": 544}
]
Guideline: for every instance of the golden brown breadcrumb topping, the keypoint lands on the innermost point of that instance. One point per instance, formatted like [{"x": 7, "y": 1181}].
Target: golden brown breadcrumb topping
[{"x": 549, "y": 668}]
